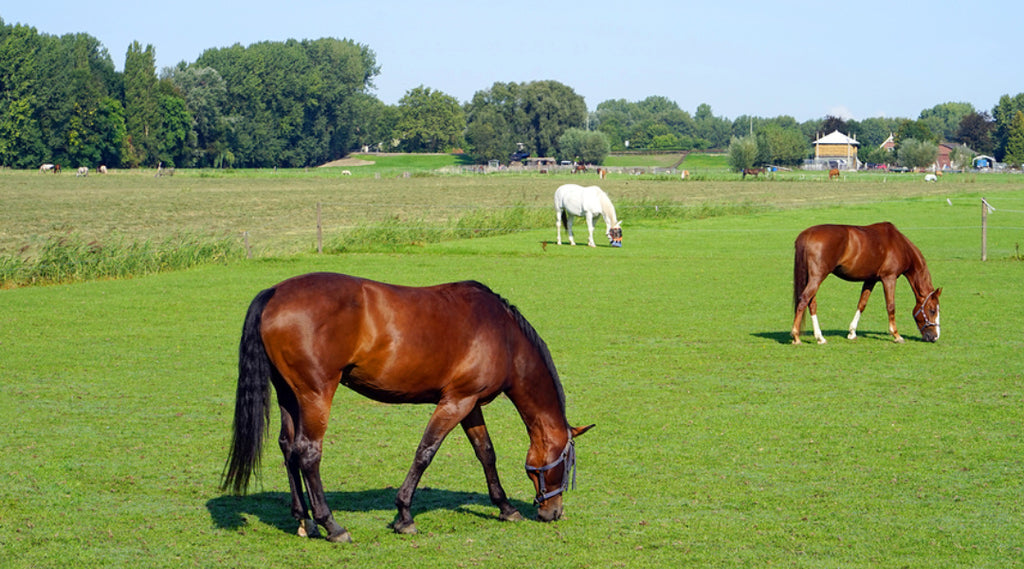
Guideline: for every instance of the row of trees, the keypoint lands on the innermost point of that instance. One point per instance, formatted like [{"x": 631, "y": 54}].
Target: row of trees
[{"x": 299, "y": 103}]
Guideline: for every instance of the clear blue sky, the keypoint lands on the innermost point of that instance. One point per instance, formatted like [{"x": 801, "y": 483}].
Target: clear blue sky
[{"x": 858, "y": 59}]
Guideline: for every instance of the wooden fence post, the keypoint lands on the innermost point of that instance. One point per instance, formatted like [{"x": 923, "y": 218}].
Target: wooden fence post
[
  {"x": 319, "y": 230},
  {"x": 984, "y": 230},
  {"x": 248, "y": 248}
]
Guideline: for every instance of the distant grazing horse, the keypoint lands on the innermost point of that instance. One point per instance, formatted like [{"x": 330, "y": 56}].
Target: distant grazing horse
[
  {"x": 755, "y": 172},
  {"x": 833, "y": 174},
  {"x": 458, "y": 346},
  {"x": 572, "y": 200},
  {"x": 867, "y": 254},
  {"x": 580, "y": 167},
  {"x": 82, "y": 171},
  {"x": 46, "y": 168},
  {"x": 102, "y": 169}
]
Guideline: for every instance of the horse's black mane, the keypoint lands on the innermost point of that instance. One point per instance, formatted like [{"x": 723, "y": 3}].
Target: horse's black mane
[{"x": 531, "y": 335}]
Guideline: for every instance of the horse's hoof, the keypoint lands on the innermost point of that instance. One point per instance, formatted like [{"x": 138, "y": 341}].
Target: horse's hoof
[
  {"x": 341, "y": 537},
  {"x": 822, "y": 341},
  {"x": 405, "y": 528},
  {"x": 515, "y": 516},
  {"x": 307, "y": 528}
]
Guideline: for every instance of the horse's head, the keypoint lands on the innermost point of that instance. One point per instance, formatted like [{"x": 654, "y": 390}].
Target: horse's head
[
  {"x": 554, "y": 478},
  {"x": 926, "y": 314},
  {"x": 615, "y": 235}
]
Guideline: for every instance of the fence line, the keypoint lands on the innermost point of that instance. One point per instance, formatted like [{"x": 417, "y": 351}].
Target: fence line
[{"x": 323, "y": 219}]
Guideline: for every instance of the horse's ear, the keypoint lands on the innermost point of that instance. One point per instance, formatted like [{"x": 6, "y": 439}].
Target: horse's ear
[
  {"x": 619, "y": 224},
  {"x": 577, "y": 431},
  {"x": 938, "y": 291}
]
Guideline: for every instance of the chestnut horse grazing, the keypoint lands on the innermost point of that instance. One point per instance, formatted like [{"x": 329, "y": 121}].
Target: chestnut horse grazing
[
  {"x": 867, "y": 254},
  {"x": 455, "y": 345},
  {"x": 833, "y": 174}
]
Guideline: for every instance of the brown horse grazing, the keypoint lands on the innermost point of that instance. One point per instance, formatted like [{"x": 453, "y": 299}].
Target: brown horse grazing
[
  {"x": 755, "y": 172},
  {"x": 867, "y": 254},
  {"x": 833, "y": 174},
  {"x": 456, "y": 345}
]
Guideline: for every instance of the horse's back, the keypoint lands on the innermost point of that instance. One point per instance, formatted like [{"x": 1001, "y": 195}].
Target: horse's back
[
  {"x": 853, "y": 252},
  {"x": 577, "y": 199},
  {"x": 389, "y": 342}
]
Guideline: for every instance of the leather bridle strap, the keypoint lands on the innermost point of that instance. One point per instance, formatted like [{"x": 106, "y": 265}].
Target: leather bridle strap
[{"x": 568, "y": 458}]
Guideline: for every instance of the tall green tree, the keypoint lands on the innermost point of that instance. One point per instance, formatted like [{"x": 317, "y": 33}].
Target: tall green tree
[
  {"x": 915, "y": 153},
  {"x": 717, "y": 131},
  {"x": 21, "y": 137},
  {"x": 588, "y": 146},
  {"x": 429, "y": 121},
  {"x": 976, "y": 131},
  {"x": 533, "y": 114},
  {"x": 944, "y": 119},
  {"x": 141, "y": 106},
  {"x": 1014, "y": 155},
  {"x": 781, "y": 145},
  {"x": 1003, "y": 114},
  {"x": 205, "y": 95},
  {"x": 743, "y": 152},
  {"x": 292, "y": 103},
  {"x": 549, "y": 108}
]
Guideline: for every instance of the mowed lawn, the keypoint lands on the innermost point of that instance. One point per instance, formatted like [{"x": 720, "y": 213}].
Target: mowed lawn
[{"x": 717, "y": 442}]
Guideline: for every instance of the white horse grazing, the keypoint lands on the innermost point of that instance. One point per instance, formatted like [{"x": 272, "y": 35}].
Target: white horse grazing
[
  {"x": 572, "y": 200},
  {"x": 46, "y": 167},
  {"x": 82, "y": 171}
]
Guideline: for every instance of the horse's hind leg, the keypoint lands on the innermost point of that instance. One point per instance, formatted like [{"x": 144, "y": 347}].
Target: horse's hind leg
[
  {"x": 300, "y": 511},
  {"x": 476, "y": 431},
  {"x": 808, "y": 301},
  {"x": 865, "y": 292},
  {"x": 308, "y": 451}
]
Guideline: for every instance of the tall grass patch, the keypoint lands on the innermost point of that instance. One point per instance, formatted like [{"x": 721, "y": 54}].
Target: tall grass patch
[{"x": 71, "y": 258}]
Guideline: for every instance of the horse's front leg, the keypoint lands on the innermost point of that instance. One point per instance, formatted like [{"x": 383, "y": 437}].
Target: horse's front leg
[
  {"x": 590, "y": 230},
  {"x": 445, "y": 417},
  {"x": 476, "y": 430},
  {"x": 865, "y": 292},
  {"x": 889, "y": 287}
]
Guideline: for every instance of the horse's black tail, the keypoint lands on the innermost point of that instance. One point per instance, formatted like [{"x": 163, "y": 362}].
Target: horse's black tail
[
  {"x": 565, "y": 219},
  {"x": 800, "y": 272},
  {"x": 252, "y": 401}
]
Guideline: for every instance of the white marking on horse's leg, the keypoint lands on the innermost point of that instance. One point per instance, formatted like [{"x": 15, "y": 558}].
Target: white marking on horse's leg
[
  {"x": 817, "y": 329},
  {"x": 853, "y": 326}
]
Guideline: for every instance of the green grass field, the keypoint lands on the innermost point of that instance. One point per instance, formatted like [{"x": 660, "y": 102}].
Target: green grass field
[{"x": 717, "y": 443}]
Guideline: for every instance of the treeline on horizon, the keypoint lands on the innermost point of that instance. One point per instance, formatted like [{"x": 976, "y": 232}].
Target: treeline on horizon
[{"x": 303, "y": 103}]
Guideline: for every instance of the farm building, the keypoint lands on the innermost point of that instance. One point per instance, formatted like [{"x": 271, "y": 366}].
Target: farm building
[{"x": 836, "y": 150}]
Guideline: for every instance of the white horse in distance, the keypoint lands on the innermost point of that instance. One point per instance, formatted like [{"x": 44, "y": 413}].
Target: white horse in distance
[{"x": 572, "y": 200}]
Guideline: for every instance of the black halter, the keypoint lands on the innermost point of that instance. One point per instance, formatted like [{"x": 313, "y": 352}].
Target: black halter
[{"x": 568, "y": 458}]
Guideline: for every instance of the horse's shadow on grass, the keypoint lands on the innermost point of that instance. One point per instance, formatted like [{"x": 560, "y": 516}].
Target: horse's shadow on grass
[
  {"x": 274, "y": 508},
  {"x": 831, "y": 335}
]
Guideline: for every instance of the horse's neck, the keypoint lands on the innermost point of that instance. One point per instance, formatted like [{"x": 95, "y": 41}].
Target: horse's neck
[
  {"x": 918, "y": 276},
  {"x": 543, "y": 413},
  {"x": 608, "y": 212}
]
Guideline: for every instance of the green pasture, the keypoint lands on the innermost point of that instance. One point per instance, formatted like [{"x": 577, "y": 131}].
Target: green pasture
[{"x": 718, "y": 444}]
